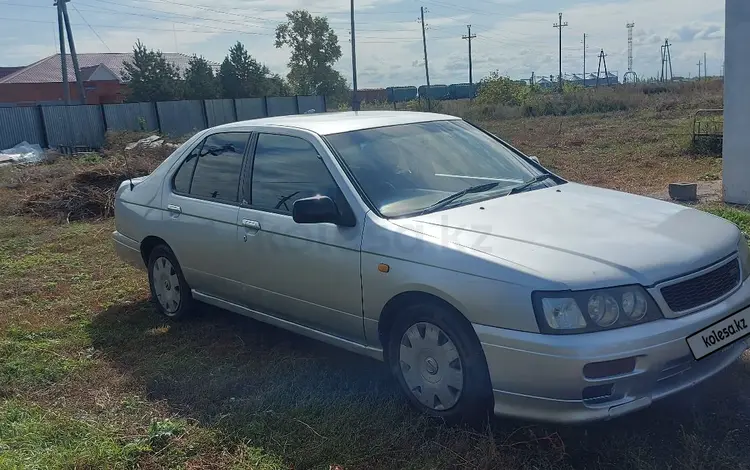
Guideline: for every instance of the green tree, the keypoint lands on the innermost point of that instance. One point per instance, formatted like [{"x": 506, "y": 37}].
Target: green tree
[
  {"x": 150, "y": 76},
  {"x": 200, "y": 82},
  {"x": 241, "y": 76},
  {"x": 497, "y": 89},
  {"x": 277, "y": 86},
  {"x": 315, "y": 49}
]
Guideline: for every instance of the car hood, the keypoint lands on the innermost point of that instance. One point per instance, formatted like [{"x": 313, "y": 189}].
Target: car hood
[{"x": 585, "y": 237}]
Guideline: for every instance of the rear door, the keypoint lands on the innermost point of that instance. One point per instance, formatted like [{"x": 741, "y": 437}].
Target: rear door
[{"x": 202, "y": 209}]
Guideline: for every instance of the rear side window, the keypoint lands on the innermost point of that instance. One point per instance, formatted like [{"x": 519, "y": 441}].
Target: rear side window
[
  {"x": 217, "y": 167},
  {"x": 285, "y": 169},
  {"x": 185, "y": 173}
]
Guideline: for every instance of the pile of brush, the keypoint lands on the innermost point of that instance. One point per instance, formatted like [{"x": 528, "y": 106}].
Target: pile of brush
[{"x": 79, "y": 187}]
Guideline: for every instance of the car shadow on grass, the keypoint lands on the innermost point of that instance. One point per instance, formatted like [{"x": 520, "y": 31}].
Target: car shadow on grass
[{"x": 317, "y": 405}]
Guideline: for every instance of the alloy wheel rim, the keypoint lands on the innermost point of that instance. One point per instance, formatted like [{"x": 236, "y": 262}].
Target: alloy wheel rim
[
  {"x": 166, "y": 285},
  {"x": 431, "y": 366}
]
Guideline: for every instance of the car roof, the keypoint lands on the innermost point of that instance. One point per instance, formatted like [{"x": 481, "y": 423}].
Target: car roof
[{"x": 334, "y": 123}]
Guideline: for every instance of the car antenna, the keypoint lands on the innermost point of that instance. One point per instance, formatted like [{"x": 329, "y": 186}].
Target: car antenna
[{"x": 127, "y": 170}]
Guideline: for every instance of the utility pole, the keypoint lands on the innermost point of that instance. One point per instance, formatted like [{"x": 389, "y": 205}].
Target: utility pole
[
  {"x": 699, "y": 69},
  {"x": 62, "y": 9},
  {"x": 63, "y": 58},
  {"x": 602, "y": 58},
  {"x": 584, "y": 60},
  {"x": 355, "y": 100},
  {"x": 705, "y": 70},
  {"x": 666, "y": 61},
  {"x": 560, "y": 25},
  {"x": 669, "y": 58},
  {"x": 661, "y": 74},
  {"x": 469, "y": 36},
  {"x": 426, "y": 65}
]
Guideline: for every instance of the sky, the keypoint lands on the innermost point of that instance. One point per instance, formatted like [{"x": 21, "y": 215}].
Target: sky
[{"x": 513, "y": 37}]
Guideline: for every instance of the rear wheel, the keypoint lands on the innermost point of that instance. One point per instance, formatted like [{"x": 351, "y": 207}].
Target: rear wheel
[
  {"x": 169, "y": 290},
  {"x": 439, "y": 364}
]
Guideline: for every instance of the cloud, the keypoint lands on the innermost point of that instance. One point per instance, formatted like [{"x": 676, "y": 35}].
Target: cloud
[
  {"x": 699, "y": 31},
  {"x": 514, "y": 37}
]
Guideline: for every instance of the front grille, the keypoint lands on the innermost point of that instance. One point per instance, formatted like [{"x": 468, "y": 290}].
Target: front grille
[{"x": 702, "y": 289}]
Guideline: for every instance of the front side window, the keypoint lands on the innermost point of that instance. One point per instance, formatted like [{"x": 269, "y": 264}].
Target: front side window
[
  {"x": 218, "y": 164},
  {"x": 287, "y": 168},
  {"x": 407, "y": 168}
]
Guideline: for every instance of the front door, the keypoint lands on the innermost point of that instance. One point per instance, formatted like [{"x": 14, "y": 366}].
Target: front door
[
  {"x": 201, "y": 218},
  {"x": 309, "y": 274}
]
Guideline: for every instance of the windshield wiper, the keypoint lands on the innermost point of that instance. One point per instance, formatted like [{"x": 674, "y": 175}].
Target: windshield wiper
[
  {"x": 526, "y": 184},
  {"x": 480, "y": 188}
]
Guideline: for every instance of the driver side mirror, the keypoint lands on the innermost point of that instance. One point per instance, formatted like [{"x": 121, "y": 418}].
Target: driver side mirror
[
  {"x": 535, "y": 159},
  {"x": 315, "y": 210}
]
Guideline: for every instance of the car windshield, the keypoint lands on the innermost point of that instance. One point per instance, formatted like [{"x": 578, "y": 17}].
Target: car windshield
[{"x": 406, "y": 169}]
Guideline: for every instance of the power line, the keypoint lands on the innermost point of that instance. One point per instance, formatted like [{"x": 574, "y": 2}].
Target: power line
[
  {"x": 91, "y": 28},
  {"x": 101, "y": 9}
]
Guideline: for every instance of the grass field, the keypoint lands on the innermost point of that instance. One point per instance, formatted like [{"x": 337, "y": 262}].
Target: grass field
[{"x": 91, "y": 377}]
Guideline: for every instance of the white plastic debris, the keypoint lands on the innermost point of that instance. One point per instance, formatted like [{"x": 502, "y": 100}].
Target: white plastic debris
[
  {"x": 151, "y": 141},
  {"x": 23, "y": 153}
]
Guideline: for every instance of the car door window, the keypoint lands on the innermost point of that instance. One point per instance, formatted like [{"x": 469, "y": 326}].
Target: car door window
[
  {"x": 184, "y": 175},
  {"x": 285, "y": 169},
  {"x": 218, "y": 167}
]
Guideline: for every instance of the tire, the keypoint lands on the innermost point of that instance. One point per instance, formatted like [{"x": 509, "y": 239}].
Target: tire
[
  {"x": 439, "y": 364},
  {"x": 169, "y": 290}
]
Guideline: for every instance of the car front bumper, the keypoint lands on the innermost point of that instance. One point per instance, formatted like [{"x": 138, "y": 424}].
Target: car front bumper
[
  {"x": 128, "y": 250},
  {"x": 541, "y": 377}
]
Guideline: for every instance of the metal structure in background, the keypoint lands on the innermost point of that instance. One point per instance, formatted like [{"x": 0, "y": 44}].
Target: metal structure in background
[
  {"x": 426, "y": 65},
  {"x": 602, "y": 58},
  {"x": 708, "y": 126},
  {"x": 630, "y": 76},
  {"x": 560, "y": 27},
  {"x": 666, "y": 62},
  {"x": 69, "y": 128},
  {"x": 469, "y": 36}
]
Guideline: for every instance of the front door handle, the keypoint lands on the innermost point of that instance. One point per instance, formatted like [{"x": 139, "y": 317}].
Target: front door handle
[
  {"x": 174, "y": 208},
  {"x": 251, "y": 224}
]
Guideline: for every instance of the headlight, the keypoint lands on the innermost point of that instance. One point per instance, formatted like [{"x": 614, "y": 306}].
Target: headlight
[
  {"x": 744, "y": 252},
  {"x": 593, "y": 310}
]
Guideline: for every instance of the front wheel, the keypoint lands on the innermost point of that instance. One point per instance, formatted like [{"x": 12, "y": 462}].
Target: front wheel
[
  {"x": 169, "y": 289},
  {"x": 439, "y": 364}
]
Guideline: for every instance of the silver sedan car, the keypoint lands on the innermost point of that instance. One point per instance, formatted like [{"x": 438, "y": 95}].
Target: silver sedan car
[{"x": 482, "y": 279}]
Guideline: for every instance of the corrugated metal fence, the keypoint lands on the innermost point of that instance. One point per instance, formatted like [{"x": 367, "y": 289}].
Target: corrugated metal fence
[{"x": 68, "y": 127}]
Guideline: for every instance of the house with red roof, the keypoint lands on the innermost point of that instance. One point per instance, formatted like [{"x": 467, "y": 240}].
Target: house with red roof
[{"x": 102, "y": 75}]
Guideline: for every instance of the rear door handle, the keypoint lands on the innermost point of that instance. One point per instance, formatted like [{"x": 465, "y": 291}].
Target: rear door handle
[
  {"x": 251, "y": 224},
  {"x": 174, "y": 208}
]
